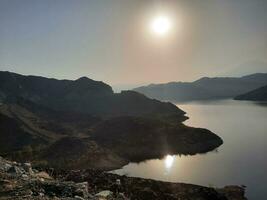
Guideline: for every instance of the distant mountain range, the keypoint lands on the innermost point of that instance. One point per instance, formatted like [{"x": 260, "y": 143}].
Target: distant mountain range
[
  {"x": 84, "y": 124},
  {"x": 259, "y": 94},
  {"x": 204, "y": 88}
]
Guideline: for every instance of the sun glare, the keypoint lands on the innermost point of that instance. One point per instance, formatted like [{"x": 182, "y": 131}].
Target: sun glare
[
  {"x": 161, "y": 25},
  {"x": 169, "y": 161}
]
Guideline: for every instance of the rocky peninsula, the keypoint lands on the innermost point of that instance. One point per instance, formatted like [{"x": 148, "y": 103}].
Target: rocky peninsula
[{"x": 81, "y": 124}]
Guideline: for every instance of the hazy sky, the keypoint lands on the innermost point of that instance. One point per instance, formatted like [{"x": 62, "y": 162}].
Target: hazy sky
[{"x": 110, "y": 40}]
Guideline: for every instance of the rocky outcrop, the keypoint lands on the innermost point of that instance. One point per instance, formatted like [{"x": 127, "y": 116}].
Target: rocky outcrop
[{"x": 19, "y": 181}]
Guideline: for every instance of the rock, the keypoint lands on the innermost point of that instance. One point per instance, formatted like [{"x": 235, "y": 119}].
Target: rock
[
  {"x": 43, "y": 175},
  {"x": 78, "y": 198},
  {"x": 72, "y": 186},
  {"x": 28, "y": 193},
  {"x": 6, "y": 185},
  {"x": 81, "y": 189},
  {"x": 146, "y": 193},
  {"x": 41, "y": 194},
  {"x": 106, "y": 194},
  {"x": 121, "y": 196},
  {"x": 234, "y": 192},
  {"x": 28, "y": 168},
  {"x": 4, "y": 166},
  {"x": 14, "y": 170},
  {"x": 25, "y": 177},
  {"x": 4, "y": 181}
]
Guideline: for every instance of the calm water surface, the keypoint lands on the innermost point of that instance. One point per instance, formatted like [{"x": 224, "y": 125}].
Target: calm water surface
[{"x": 240, "y": 160}]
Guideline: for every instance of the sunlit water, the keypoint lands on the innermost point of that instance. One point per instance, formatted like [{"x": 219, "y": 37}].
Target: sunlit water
[{"x": 241, "y": 160}]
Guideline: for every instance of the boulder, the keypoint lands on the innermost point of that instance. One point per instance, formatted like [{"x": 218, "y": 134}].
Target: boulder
[
  {"x": 105, "y": 194},
  {"x": 25, "y": 177},
  {"x": 43, "y": 175},
  {"x": 81, "y": 189},
  {"x": 17, "y": 171},
  {"x": 27, "y": 167},
  {"x": 4, "y": 167}
]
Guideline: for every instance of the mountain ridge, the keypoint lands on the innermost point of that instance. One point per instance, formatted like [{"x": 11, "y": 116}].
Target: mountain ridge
[
  {"x": 80, "y": 95},
  {"x": 259, "y": 94},
  {"x": 204, "y": 88}
]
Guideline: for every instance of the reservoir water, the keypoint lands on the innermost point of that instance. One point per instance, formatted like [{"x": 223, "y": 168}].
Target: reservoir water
[{"x": 241, "y": 160}]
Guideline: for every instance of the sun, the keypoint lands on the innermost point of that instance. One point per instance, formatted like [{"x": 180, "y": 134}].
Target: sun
[{"x": 161, "y": 25}]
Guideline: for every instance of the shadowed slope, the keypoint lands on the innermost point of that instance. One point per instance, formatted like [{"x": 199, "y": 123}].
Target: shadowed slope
[{"x": 259, "y": 94}]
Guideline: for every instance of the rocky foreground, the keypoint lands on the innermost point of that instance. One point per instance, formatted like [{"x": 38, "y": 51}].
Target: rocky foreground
[{"x": 19, "y": 181}]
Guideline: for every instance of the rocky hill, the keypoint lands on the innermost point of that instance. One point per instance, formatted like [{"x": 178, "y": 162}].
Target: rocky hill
[
  {"x": 259, "y": 94},
  {"x": 83, "y": 124},
  {"x": 83, "y": 95}
]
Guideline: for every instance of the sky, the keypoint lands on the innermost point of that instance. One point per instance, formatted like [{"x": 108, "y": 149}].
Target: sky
[{"x": 111, "y": 40}]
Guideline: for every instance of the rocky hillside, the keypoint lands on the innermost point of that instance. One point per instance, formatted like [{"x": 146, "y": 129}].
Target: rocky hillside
[
  {"x": 259, "y": 94},
  {"x": 83, "y": 124},
  {"x": 20, "y": 181},
  {"x": 204, "y": 88},
  {"x": 74, "y": 140},
  {"x": 83, "y": 95}
]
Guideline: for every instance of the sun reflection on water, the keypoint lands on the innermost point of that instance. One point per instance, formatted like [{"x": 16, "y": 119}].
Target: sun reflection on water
[{"x": 168, "y": 161}]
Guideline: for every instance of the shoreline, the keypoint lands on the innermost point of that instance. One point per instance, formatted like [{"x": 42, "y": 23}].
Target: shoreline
[{"x": 20, "y": 181}]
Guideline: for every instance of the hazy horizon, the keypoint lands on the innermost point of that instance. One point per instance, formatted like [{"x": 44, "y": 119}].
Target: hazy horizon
[{"x": 110, "y": 41}]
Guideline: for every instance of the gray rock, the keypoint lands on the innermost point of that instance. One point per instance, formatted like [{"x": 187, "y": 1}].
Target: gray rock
[
  {"x": 106, "y": 194},
  {"x": 25, "y": 177},
  {"x": 28, "y": 168},
  {"x": 41, "y": 194},
  {"x": 14, "y": 170},
  {"x": 4, "y": 166},
  {"x": 81, "y": 189},
  {"x": 78, "y": 198}
]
